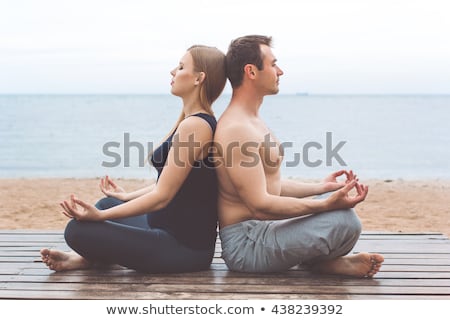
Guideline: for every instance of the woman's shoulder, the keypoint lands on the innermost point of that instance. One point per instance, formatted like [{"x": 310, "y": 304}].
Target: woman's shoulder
[
  {"x": 202, "y": 124},
  {"x": 209, "y": 118}
]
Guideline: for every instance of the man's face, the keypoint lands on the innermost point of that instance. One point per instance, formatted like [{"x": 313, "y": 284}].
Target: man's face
[{"x": 269, "y": 76}]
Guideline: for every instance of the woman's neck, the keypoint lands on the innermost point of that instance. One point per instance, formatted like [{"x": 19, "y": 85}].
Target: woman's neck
[{"x": 192, "y": 106}]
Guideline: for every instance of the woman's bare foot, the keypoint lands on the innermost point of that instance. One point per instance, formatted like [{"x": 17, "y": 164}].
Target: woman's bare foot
[
  {"x": 359, "y": 265},
  {"x": 59, "y": 261}
]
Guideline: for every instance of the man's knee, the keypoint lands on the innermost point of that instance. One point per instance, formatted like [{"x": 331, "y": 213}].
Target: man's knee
[
  {"x": 354, "y": 223},
  {"x": 349, "y": 224}
]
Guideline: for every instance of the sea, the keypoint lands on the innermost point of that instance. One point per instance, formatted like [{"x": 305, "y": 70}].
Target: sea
[{"x": 87, "y": 136}]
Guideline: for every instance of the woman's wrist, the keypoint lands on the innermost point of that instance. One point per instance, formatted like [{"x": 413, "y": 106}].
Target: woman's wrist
[{"x": 126, "y": 197}]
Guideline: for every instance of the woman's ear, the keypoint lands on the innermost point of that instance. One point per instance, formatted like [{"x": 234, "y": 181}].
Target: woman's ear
[{"x": 201, "y": 77}]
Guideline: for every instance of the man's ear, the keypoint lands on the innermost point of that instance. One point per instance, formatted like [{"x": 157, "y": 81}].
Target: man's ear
[
  {"x": 250, "y": 70},
  {"x": 200, "y": 78}
]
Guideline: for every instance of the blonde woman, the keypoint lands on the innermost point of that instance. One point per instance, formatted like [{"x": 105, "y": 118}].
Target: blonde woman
[{"x": 171, "y": 226}]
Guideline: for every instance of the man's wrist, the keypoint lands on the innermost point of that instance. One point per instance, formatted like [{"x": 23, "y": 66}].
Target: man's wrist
[{"x": 325, "y": 205}]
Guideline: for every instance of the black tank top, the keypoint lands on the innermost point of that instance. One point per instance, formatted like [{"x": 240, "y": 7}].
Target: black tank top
[{"x": 191, "y": 216}]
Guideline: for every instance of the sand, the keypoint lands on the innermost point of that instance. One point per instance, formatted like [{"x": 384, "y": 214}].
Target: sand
[{"x": 398, "y": 205}]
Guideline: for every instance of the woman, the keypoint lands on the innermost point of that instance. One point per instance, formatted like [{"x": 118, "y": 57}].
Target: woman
[{"x": 171, "y": 226}]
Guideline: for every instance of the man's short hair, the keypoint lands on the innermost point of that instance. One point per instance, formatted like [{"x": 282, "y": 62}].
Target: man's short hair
[{"x": 242, "y": 51}]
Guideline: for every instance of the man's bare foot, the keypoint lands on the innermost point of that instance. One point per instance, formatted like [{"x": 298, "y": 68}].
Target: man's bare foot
[
  {"x": 361, "y": 265},
  {"x": 60, "y": 261}
]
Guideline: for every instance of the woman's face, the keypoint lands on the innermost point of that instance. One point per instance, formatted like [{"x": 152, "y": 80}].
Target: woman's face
[{"x": 183, "y": 76}]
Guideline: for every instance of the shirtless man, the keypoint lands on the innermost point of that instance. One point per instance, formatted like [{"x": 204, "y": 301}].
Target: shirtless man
[{"x": 268, "y": 224}]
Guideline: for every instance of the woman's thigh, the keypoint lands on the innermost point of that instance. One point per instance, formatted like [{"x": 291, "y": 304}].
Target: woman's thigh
[
  {"x": 144, "y": 249},
  {"x": 139, "y": 221}
]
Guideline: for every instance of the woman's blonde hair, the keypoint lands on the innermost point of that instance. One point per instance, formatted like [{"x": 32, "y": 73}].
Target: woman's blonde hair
[{"x": 210, "y": 61}]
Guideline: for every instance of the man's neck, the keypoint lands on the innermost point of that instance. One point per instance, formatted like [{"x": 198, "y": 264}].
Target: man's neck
[{"x": 247, "y": 99}]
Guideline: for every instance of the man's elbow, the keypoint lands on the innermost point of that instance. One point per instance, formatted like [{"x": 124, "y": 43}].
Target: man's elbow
[{"x": 260, "y": 210}]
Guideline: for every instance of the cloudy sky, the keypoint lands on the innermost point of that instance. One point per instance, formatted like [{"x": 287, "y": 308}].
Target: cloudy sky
[{"x": 323, "y": 46}]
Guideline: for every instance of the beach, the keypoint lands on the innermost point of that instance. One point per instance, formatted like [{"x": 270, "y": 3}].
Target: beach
[{"x": 391, "y": 205}]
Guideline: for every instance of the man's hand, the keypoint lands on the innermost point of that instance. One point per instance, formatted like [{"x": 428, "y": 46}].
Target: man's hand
[
  {"x": 341, "y": 199},
  {"x": 331, "y": 183}
]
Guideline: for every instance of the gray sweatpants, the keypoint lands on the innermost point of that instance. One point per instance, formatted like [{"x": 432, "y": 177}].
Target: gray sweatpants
[{"x": 273, "y": 246}]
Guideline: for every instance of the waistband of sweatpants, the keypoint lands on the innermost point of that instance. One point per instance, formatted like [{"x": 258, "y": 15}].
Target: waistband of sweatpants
[{"x": 235, "y": 230}]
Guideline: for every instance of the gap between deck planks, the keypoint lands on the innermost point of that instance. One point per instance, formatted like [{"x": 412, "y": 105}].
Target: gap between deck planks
[{"x": 417, "y": 266}]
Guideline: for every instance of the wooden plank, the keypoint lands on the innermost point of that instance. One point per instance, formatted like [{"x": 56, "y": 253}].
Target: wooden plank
[
  {"x": 422, "y": 249},
  {"x": 398, "y": 264},
  {"x": 36, "y": 266},
  {"x": 60, "y": 237},
  {"x": 222, "y": 288},
  {"x": 400, "y": 236},
  {"x": 28, "y": 231},
  {"x": 42, "y": 237},
  {"x": 226, "y": 274},
  {"x": 314, "y": 281},
  {"x": 226, "y": 288},
  {"x": 404, "y": 255},
  {"x": 416, "y": 266},
  {"x": 381, "y": 232},
  {"x": 65, "y": 295},
  {"x": 427, "y": 251},
  {"x": 36, "y": 295},
  {"x": 398, "y": 297},
  {"x": 364, "y": 234},
  {"x": 417, "y": 261},
  {"x": 400, "y": 256},
  {"x": 31, "y": 241},
  {"x": 34, "y": 256},
  {"x": 390, "y": 258}
]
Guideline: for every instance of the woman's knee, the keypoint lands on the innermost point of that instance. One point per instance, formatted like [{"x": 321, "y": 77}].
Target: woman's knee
[
  {"x": 108, "y": 202},
  {"x": 71, "y": 233}
]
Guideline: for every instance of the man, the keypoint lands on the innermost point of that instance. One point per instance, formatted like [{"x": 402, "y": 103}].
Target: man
[{"x": 268, "y": 224}]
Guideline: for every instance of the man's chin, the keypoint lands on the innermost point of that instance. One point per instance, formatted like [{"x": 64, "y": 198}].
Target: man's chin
[{"x": 275, "y": 91}]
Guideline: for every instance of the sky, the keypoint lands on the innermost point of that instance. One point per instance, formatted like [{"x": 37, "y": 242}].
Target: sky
[{"x": 129, "y": 47}]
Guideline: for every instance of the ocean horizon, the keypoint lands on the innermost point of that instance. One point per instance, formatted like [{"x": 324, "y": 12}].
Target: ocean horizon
[{"x": 390, "y": 136}]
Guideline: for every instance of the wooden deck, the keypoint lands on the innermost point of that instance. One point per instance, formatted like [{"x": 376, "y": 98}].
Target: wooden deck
[{"x": 417, "y": 266}]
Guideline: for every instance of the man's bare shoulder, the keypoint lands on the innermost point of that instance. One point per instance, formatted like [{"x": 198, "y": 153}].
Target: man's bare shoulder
[{"x": 234, "y": 123}]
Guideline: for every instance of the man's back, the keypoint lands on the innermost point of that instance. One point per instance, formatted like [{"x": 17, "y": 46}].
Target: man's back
[{"x": 245, "y": 147}]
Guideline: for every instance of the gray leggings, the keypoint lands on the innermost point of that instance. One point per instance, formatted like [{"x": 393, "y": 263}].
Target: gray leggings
[{"x": 274, "y": 246}]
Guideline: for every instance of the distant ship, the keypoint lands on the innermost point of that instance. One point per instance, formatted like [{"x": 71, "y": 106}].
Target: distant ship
[{"x": 301, "y": 93}]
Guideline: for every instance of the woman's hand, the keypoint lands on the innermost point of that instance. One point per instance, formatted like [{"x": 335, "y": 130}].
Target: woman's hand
[
  {"x": 331, "y": 183},
  {"x": 79, "y": 210},
  {"x": 111, "y": 189}
]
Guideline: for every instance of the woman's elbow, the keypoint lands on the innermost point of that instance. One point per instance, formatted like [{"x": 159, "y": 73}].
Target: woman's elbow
[{"x": 162, "y": 201}]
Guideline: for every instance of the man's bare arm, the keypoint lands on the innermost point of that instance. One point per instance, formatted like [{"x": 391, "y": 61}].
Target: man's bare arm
[
  {"x": 296, "y": 189},
  {"x": 292, "y": 188},
  {"x": 247, "y": 175}
]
